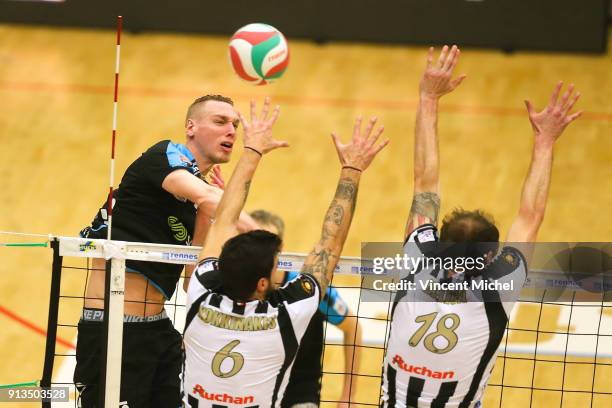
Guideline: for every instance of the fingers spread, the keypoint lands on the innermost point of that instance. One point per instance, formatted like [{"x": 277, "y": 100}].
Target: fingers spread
[
  {"x": 242, "y": 121},
  {"x": 275, "y": 114},
  {"x": 337, "y": 143},
  {"x": 572, "y": 103},
  {"x": 430, "y": 56},
  {"x": 265, "y": 109},
  {"x": 381, "y": 146},
  {"x": 442, "y": 56},
  {"x": 555, "y": 94},
  {"x": 377, "y": 134},
  {"x": 565, "y": 96},
  {"x": 453, "y": 64},
  {"x": 369, "y": 127},
  {"x": 573, "y": 117},
  {"x": 529, "y": 107},
  {"x": 357, "y": 127},
  {"x": 457, "y": 81},
  {"x": 451, "y": 58},
  {"x": 281, "y": 143},
  {"x": 253, "y": 110}
]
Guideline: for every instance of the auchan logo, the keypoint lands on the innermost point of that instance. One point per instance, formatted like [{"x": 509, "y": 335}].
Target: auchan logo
[
  {"x": 421, "y": 370},
  {"x": 211, "y": 396}
]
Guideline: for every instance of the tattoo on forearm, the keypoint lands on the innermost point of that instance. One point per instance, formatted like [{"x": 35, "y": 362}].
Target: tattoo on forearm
[
  {"x": 426, "y": 204},
  {"x": 318, "y": 266},
  {"x": 335, "y": 213},
  {"x": 247, "y": 187},
  {"x": 325, "y": 233},
  {"x": 347, "y": 189},
  {"x": 320, "y": 259}
]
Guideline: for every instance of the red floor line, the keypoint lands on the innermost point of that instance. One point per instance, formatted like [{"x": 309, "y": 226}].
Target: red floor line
[
  {"x": 291, "y": 100},
  {"x": 34, "y": 327}
]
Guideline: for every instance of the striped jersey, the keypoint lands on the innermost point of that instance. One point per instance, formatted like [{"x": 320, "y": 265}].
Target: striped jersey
[
  {"x": 240, "y": 354},
  {"x": 442, "y": 345},
  {"x": 305, "y": 378}
]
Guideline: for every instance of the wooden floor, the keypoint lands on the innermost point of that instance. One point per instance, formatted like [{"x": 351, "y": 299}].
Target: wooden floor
[{"x": 55, "y": 128}]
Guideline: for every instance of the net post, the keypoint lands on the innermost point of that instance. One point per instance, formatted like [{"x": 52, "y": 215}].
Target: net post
[
  {"x": 54, "y": 297},
  {"x": 110, "y": 377}
]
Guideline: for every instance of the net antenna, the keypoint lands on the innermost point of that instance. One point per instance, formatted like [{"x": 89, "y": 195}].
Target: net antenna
[{"x": 115, "y": 277}]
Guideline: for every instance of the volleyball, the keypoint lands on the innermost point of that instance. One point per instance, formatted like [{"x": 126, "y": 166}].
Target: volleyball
[{"x": 259, "y": 53}]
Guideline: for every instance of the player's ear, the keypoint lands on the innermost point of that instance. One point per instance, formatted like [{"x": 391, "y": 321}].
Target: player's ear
[
  {"x": 262, "y": 285},
  {"x": 189, "y": 125}
]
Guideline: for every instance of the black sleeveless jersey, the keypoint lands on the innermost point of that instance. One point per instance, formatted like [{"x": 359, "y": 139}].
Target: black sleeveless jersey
[{"x": 144, "y": 212}]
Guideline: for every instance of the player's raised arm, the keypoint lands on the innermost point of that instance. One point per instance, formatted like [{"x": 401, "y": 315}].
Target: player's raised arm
[
  {"x": 355, "y": 157},
  {"x": 436, "y": 82},
  {"x": 547, "y": 126},
  {"x": 257, "y": 142}
]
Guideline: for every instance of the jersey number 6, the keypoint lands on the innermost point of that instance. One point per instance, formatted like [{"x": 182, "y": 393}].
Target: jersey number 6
[
  {"x": 447, "y": 332},
  {"x": 222, "y": 355}
]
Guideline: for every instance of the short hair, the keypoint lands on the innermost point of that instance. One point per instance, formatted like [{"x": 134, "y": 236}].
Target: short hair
[
  {"x": 202, "y": 100},
  {"x": 471, "y": 226},
  {"x": 245, "y": 259},
  {"x": 266, "y": 217}
]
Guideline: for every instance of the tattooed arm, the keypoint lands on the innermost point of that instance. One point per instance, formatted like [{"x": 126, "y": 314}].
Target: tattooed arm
[
  {"x": 257, "y": 141},
  {"x": 547, "y": 125},
  {"x": 355, "y": 157},
  {"x": 436, "y": 82}
]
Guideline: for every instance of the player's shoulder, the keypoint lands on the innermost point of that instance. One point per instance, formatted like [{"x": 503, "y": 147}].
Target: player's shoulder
[
  {"x": 207, "y": 274},
  {"x": 509, "y": 260},
  {"x": 423, "y": 233},
  {"x": 302, "y": 287},
  {"x": 177, "y": 155},
  {"x": 160, "y": 147}
]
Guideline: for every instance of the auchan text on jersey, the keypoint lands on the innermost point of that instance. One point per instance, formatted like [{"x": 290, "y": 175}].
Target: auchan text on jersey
[
  {"x": 421, "y": 370},
  {"x": 212, "y": 396}
]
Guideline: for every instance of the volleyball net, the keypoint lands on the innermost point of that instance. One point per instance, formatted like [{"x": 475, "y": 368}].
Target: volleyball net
[{"x": 557, "y": 349}]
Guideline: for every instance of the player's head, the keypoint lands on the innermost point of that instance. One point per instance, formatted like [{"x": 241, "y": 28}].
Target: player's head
[
  {"x": 247, "y": 262},
  {"x": 210, "y": 127},
  {"x": 471, "y": 226},
  {"x": 269, "y": 221},
  {"x": 272, "y": 223}
]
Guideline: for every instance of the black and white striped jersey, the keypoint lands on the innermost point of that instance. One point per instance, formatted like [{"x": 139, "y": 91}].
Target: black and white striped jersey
[
  {"x": 440, "y": 352},
  {"x": 240, "y": 354}
]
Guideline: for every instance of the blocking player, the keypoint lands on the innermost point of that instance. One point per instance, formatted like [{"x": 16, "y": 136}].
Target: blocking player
[
  {"x": 304, "y": 387},
  {"x": 241, "y": 335},
  {"x": 442, "y": 345},
  {"x": 162, "y": 198}
]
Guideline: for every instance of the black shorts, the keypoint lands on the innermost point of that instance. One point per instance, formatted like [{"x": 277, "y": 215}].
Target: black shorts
[{"x": 150, "y": 367}]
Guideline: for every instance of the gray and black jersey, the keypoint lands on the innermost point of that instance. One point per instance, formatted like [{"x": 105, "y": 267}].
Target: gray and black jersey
[{"x": 144, "y": 212}]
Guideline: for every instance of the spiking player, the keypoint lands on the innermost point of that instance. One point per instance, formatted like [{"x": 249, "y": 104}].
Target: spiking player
[
  {"x": 163, "y": 199},
  {"x": 241, "y": 335},
  {"x": 442, "y": 346}
]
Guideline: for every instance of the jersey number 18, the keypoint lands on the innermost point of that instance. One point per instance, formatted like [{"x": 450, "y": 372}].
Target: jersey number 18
[{"x": 442, "y": 330}]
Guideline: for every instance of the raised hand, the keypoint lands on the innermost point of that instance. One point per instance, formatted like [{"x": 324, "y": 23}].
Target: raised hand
[
  {"x": 362, "y": 148},
  {"x": 437, "y": 79},
  {"x": 258, "y": 132},
  {"x": 552, "y": 121}
]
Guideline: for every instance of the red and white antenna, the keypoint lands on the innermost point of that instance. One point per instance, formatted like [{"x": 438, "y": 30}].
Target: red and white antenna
[{"x": 115, "y": 103}]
